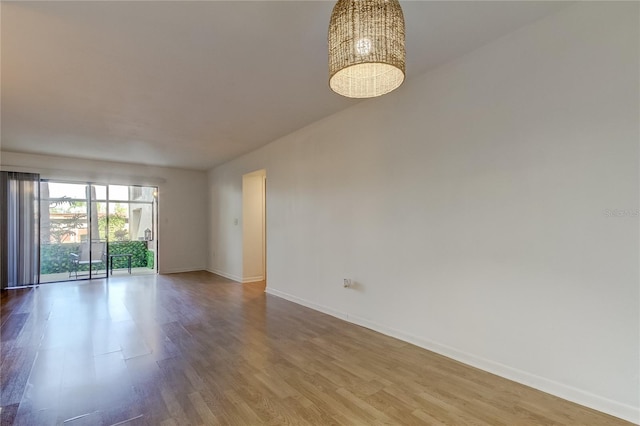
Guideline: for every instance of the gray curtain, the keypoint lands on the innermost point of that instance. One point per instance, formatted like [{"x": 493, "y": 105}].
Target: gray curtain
[{"x": 19, "y": 229}]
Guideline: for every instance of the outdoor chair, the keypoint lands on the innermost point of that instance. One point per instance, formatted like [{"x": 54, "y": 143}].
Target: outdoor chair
[{"x": 96, "y": 258}]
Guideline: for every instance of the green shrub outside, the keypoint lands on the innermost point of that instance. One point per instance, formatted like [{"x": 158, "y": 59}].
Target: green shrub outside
[
  {"x": 56, "y": 258},
  {"x": 150, "y": 259},
  {"x": 137, "y": 250}
]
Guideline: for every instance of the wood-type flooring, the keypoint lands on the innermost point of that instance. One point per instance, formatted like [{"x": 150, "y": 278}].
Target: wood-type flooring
[{"x": 198, "y": 349}]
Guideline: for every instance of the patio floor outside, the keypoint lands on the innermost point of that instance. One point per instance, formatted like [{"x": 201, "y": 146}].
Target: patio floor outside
[{"x": 65, "y": 276}]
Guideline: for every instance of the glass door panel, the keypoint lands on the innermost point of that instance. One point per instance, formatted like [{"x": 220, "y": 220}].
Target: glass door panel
[
  {"x": 120, "y": 248},
  {"x": 132, "y": 228},
  {"x": 99, "y": 230},
  {"x": 64, "y": 232}
]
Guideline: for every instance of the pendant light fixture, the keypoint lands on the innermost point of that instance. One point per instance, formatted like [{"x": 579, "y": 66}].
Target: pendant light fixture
[{"x": 366, "y": 47}]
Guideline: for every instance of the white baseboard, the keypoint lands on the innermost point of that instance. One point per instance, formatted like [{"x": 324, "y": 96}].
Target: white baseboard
[
  {"x": 303, "y": 302},
  {"x": 614, "y": 408},
  {"x": 179, "y": 270},
  {"x": 225, "y": 274},
  {"x": 236, "y": 277}
]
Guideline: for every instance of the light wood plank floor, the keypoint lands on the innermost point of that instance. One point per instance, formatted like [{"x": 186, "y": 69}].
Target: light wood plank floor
[{"x": 197, "y": 349}]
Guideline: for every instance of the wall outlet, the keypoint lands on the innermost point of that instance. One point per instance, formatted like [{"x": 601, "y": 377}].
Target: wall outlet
[{"x": 347, "y": 282}]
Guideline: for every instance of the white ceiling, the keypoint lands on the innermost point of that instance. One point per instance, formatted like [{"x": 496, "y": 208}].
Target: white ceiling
[{"x": 194, "y": 84}]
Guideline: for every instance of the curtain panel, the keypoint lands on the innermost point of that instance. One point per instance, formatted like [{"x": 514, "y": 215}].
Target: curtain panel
[{"x": 19, "y": 229}]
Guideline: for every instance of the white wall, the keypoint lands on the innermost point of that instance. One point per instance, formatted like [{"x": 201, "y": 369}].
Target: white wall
[
  {"x": 253, "y": 233},
  {"x": 473, "y": 208},
  {"x": 182, "y": 205}
]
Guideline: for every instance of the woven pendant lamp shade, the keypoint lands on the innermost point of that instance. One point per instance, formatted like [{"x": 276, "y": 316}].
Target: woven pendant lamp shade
[{"x": 366, "y": 47}]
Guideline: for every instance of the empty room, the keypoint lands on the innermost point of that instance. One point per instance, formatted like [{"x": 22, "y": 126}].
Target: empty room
[{"x": 348, "y": 212}]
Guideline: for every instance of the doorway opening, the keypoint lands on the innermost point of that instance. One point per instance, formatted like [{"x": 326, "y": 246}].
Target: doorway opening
[
  {"x": 254, "y": 232},
  {"x": 92, "y": 230}
]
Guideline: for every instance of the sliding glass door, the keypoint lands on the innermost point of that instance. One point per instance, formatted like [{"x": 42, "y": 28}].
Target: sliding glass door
[
  {"x": 95, "y": 230},
  {"x": 68, "y": 250}
]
